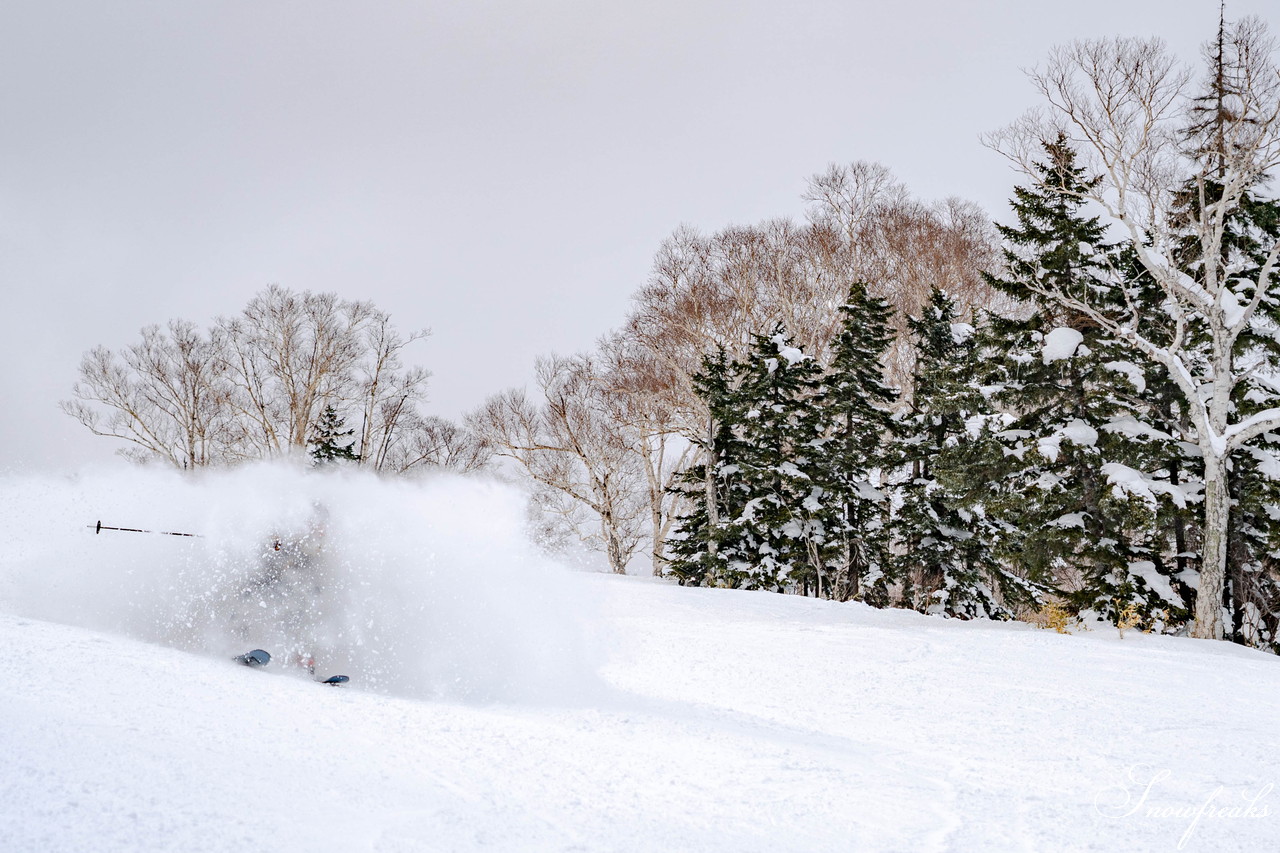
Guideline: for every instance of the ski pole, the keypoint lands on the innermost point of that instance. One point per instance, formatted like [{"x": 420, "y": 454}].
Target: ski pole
[{"x": 99, "y": 527}]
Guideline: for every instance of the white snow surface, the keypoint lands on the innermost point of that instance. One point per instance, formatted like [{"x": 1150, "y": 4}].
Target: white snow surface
[
  {"x": 1077, "y": 431},
  {"x": 962, "y": 332},
  {"x": 1130, "y": 371},
  {"x": 1135, "y": 428},
  {"x": 1232, "y": 309},
  {"x": 1061, "y": 344},
  {"x": 791, "y": 353},
  {"x": 1130, "y": 481},
  {"x": 701, "y": 720},
  {"x": 1146, "y": 570}
]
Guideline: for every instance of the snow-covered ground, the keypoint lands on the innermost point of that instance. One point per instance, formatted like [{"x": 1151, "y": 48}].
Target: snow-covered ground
[
  {"x": 682, "y": 719},
  {"x": 730, "y": 721}
]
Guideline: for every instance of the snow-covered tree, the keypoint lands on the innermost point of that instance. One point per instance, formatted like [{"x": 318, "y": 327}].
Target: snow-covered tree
[
  {"x": 788, "y": 529},
  {"x": 1078, "y": 431},
  {"x": 856, "y": 424},
  {"x": 758, "y": 518},
  {"x": 1251, "y": 592},
  {"x": 710, "y": 488},
  {"x": 946, "y": 556},
  {"x": 1123, "y": 104}
]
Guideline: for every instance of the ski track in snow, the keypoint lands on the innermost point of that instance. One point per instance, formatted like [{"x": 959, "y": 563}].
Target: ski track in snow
[{"x": 729, "y": 721}]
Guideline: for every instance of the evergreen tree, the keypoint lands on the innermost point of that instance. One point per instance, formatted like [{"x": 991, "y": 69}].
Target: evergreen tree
[
  {"x": 1078, "y": 474},
  {"x": 947, "y": 561},
  {"x": 776, "y": 535},
  {"x": 1252, "y": 593},
  {"x": 856, "y": 424},
  {"x": 772, "y": 528},
  {"x": 710, "y": 487},
  {"x": 326, "y": 439}
]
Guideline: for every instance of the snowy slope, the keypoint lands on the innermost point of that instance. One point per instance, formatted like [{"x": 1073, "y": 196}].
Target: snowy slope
[{"x": 726, "y": 721}]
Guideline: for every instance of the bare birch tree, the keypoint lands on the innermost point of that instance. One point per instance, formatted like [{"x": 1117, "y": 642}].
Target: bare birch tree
[
  {"x": 902, "y": 248},
  {"x": 256, "y": 384},
  {"x": 432, "y": 443},
  {"x": 387, "y": 393},
  {"x": 288, "y": 356},
  {"x": 166, "y": 396},
  {"x": 1123, "y": 104},
  {"x": 571, "y": 443},
  {"x": 643, "y": 400}
]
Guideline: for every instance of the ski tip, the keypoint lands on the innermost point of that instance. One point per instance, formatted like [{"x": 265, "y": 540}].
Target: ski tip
[
  {"x": 257, "y": 657},
  {"x": 336, "y": 680}
]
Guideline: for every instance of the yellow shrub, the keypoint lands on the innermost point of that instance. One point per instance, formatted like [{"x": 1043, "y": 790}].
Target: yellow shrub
[
  {"x": 1054, "y": 615},
  {"x": 1127, "y": 617}
]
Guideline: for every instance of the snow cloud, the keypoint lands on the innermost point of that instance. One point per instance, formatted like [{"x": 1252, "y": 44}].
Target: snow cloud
[{"x": 420, "y": 588}]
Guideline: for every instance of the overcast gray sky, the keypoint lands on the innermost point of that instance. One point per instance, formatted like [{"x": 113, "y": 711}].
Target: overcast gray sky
[{"x": 500, "y": 172}]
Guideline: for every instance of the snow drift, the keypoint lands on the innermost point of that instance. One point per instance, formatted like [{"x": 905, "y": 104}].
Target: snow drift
[{"x": 424, "y": 588}]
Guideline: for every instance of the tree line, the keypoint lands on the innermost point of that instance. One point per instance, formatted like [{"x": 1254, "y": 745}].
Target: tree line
[
  {"x": 268, "y": 382},
  {"x": 605, "y": 437},
  {"x": 890, "y": 401},
  {"x": 1080, "y": 411}
]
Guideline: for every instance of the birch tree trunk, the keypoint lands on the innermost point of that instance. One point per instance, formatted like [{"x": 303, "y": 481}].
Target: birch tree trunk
[
  {"x": 709, "y": 484},
  {"x": 1213, "y": 562}
]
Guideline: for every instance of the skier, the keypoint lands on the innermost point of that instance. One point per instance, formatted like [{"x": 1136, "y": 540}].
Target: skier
[
  {"x": 288, "y": 591},
  {"x": 292, "y": 580},
  {"x": 284, "y": 597}
]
